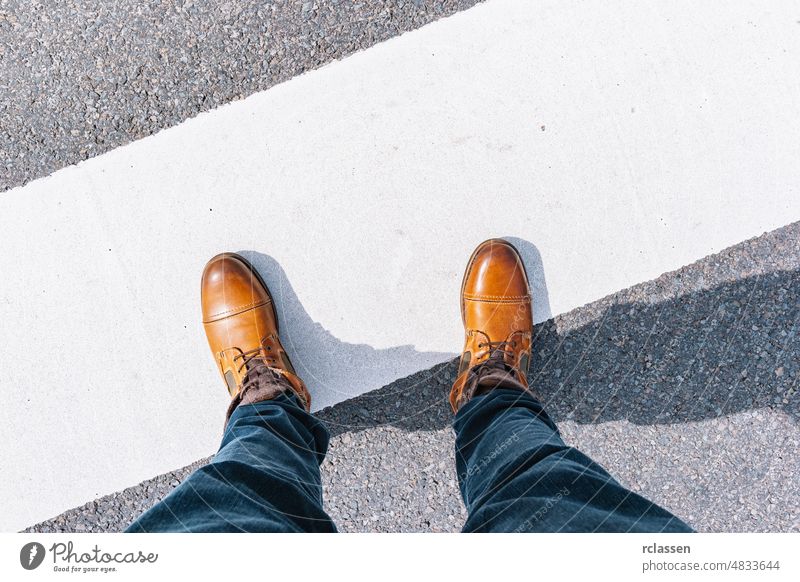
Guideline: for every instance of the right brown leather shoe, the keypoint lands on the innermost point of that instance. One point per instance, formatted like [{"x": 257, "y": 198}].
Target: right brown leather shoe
[
  {"x": 498, "y": 322},
  {"x": 242, "y": 330}
]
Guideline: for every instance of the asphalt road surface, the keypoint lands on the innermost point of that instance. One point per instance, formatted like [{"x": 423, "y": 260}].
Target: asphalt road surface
[{"x": 79, "y": 77}]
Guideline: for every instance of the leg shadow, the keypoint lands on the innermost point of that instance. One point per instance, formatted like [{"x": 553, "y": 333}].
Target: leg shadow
[
  {"x": 633, "y": 356},
  {"x": 697, "y": 356}
]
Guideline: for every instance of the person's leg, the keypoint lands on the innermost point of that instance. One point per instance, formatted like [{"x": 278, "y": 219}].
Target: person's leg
[
  {"x": 265, "y": 477},
  {"x": 515, "y": 472},
  {"x": 517, "y": 475}
]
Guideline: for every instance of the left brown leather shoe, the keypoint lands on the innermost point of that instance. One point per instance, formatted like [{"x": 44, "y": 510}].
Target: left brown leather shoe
[
  {"x": 242, "y": 330},
  {"x": 498, "y": 322}
]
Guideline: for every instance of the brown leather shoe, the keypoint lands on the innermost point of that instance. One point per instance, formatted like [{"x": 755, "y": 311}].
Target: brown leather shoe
[
  {"x": 242, "y": 330},
  {"x": 498, "y": 321}
]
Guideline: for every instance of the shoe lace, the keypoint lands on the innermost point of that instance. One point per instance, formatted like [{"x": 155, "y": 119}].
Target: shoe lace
[
  {"x": 247, "y": 357},
  {"x": 497, "y": 349}
]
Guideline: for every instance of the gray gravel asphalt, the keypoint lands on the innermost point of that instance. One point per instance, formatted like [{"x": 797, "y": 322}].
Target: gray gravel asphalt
[
  {"x": 685, "y": 388},
  {"x": 81, "y": 77}
]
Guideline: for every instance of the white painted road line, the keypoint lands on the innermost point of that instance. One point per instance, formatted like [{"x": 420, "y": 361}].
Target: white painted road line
[{"x": 621, "y": 142}]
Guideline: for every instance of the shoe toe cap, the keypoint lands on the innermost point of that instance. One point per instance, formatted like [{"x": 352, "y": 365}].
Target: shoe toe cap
[
  {"x": 496, "y": 272},
  {"x": 229, "y": 286}
]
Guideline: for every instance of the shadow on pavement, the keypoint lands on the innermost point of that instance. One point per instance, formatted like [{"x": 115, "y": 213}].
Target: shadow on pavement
[{"x": 697, "y": 356}]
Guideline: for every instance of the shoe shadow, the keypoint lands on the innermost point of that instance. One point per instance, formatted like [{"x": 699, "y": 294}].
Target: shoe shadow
[
  {"x": 633, "y": 356},
  {"x": 532, "y": 259},
  {"x": 332, "y": 369}
]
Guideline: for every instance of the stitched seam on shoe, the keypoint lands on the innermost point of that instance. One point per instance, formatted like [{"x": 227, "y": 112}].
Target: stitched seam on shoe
[
  {"x": 506, "y": 298},
  {"x": 235, "y": 310}
]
